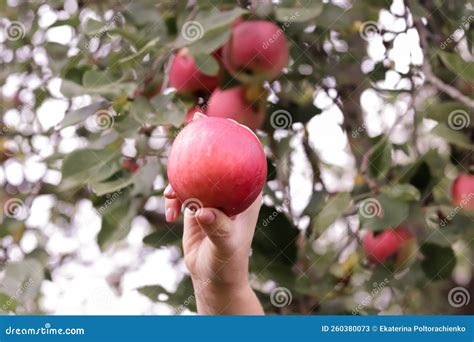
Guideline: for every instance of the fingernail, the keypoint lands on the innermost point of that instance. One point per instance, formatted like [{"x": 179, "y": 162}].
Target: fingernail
[
  {"x": 169, "y": 215},
  {"x": 205, "y": 216}
]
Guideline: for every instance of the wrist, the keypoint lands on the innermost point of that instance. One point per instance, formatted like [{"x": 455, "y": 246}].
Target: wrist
[{"x": 215, "y": 298}]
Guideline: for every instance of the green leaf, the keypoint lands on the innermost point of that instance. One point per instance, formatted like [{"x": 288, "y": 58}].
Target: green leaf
[
  {"x": 441, "y": 111},
  {"x": 215, "y": 19},
  {"x": 161, "y": 110},
  {"x": 22, "y": 280},
  {"x": 210, "y": 42},
  {"x": 207, "y": 30},
  {"x": 56, "y": 51},
  {"x": 116, "y": 220},
  {"x": 207, "y": 64},
  {"x": 93, "y": 27},
  {"x": 382, "y": 212},
  {"x": 88, "y": 166},
  {"x": 459, "y": 66},
  {"x": 334, "y": 208},
  {"x": 162, "y": 237},
  {"x": 452, "y": 136},
  {"x": 334, "y": 17},
  {"x": 143, "y": 111},
  {"x": 439, "y": 261},
  {"x": 79, "y": 115},
  {"x": 275, "y": 237},
  {"x": 98, "y": 79},
  {"x": 380, "y": 160},
  {"x": 103, "y": 188},
  {"x": 183, "y": 298},
  {"x": 404, "y": 192},
  {"x": 152, "y": 292},
  {"x": 7, "y": 303},
  {"x": 144, "y": 178},
  {"x": 300, "y": 13},
  {"x": 70, "y": 89},
  {"x": 140, "y": 54}
]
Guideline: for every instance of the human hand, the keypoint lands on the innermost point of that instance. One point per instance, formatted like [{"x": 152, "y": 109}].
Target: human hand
[{"x": 216, "y": 252}]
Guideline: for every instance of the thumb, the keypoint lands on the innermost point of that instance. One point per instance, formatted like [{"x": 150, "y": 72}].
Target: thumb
[{"x": 216, "y": 225}]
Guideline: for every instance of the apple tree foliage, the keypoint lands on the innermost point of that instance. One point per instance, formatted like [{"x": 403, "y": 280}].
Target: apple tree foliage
[{"x": 117, "y": 56}]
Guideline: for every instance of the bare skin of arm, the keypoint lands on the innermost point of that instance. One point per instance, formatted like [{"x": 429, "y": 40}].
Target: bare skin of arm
[{"x": 216, "y": 252}]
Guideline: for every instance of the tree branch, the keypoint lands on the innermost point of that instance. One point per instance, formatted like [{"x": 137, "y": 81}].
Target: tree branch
[{"x": 446, "y": 88}]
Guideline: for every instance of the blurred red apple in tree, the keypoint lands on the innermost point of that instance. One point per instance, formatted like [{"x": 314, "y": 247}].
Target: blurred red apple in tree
[
  {"x": 257, "y": 50},
  {"x": 186, "y": 77},
  {"x": 462, "y": 192},
  {"x": 243, "y": 104}
]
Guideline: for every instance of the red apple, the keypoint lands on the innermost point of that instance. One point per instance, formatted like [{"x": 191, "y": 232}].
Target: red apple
[
  {"x": 257, "y": 50},
  {"x": 235, "y": 103},
  {"x": 386, "y": 244},
  {"x": 130, "y": 165},
  {"x": 463, "y": 192},
  {"x": 186, "y": 77},
  {"x": 218, "y": 163}
]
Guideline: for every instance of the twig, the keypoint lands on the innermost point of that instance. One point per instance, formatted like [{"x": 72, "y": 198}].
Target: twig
[
  {"x": 431, "y": 77},
  {"x": 446, "y": 88},
  {"x": 313, "y": 159}
]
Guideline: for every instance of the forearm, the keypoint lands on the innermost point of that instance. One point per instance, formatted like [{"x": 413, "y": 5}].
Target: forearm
[{"x": 224, "y": 300}]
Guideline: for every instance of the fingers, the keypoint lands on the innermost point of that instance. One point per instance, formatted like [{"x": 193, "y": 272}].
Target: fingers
[
  {"x": 217, "y": 225},
  {"x": 172, "y": 209},
  {"x": 169, "y": 192},
  {"x": 254, "y": 209},
  {"x": 172, "y": 204}
]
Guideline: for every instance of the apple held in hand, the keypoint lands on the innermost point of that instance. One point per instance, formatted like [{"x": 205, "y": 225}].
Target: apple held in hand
[
  {"x": 217, "y": 163},
  {"x": 256, "y": 51},
  {"x": 238, "y": 104},
  {"x": 386, "y": 244},
  {"x": 463, "y": 192},
  {"x": 187, "y": 78}
]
